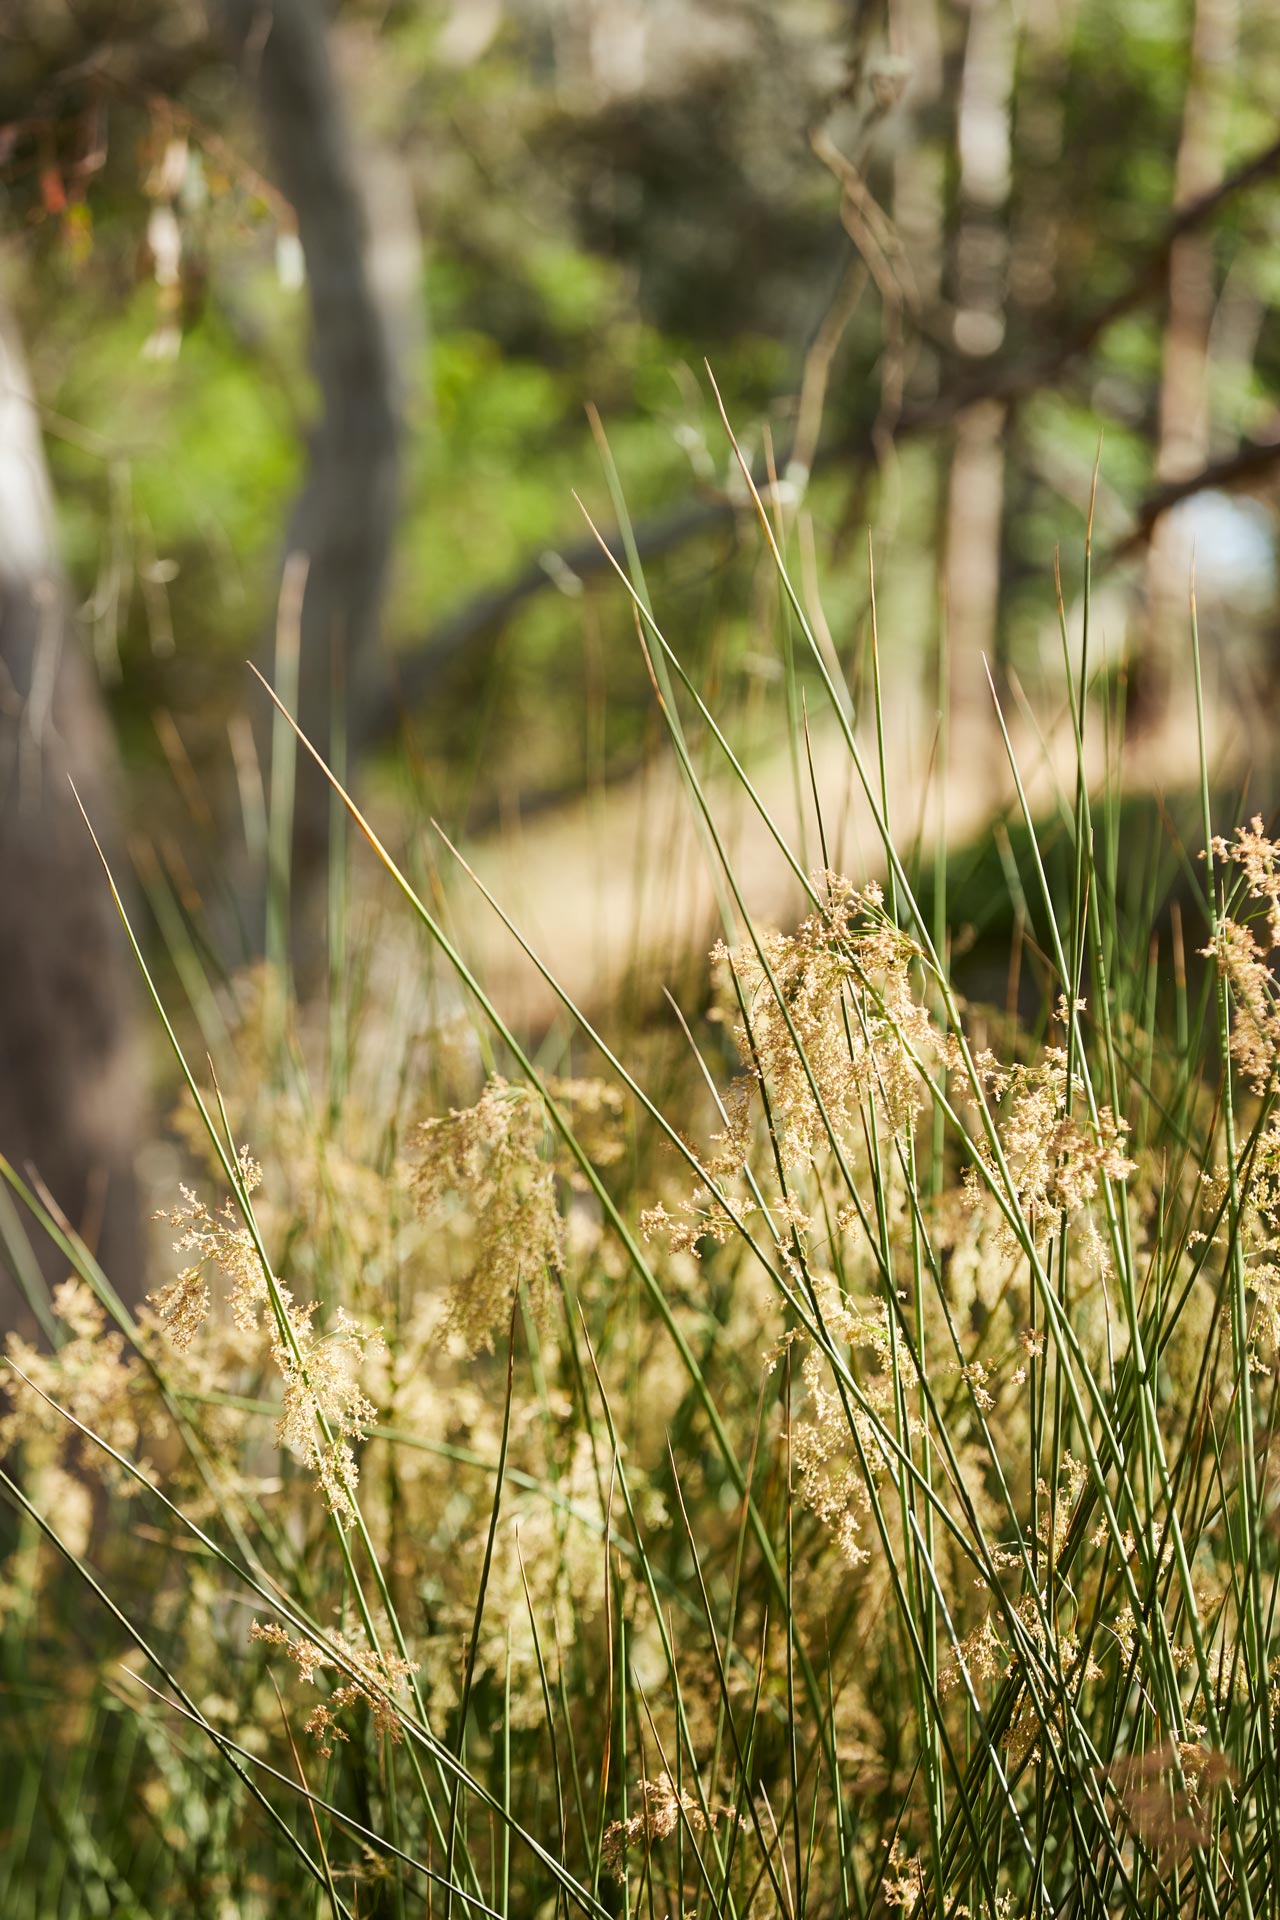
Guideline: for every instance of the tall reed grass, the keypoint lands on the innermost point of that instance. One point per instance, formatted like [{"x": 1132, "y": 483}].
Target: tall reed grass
[{"x": 818, "y": 1464}]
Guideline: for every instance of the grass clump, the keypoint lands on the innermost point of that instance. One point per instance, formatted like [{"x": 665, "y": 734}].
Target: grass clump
[{"x": 838, "y": 1483}]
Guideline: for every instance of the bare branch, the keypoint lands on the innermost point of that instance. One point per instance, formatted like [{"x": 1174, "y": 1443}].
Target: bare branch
[
  {"x": 482, "y": 617},
  {"x": 1254, "y": 460}
]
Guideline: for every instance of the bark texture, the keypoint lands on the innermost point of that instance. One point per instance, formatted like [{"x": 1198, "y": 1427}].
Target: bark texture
[
  {"x": 343, "y": 520},
  {"x": 70, "y": 1105}
]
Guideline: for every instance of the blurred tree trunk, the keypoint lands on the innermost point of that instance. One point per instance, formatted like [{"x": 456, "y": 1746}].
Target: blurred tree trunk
[
  {"x": 1183, "y": 444},
  {"x": 975, "y": 490},
  {"x": 341, "y": 526},
  {"x": 70, "y": 1106}
]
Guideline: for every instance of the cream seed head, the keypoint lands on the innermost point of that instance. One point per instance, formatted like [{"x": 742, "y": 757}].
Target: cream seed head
[{"x": 488, "y": 1159}]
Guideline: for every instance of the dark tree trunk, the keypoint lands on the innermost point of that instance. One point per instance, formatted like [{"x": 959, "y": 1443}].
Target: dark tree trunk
[
  {"x": 343, "y": 520},
  {"x": 70, "y": 1103}
]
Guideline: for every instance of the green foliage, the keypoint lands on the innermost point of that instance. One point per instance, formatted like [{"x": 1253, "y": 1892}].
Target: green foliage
[{"x": 588, "y": 244}]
